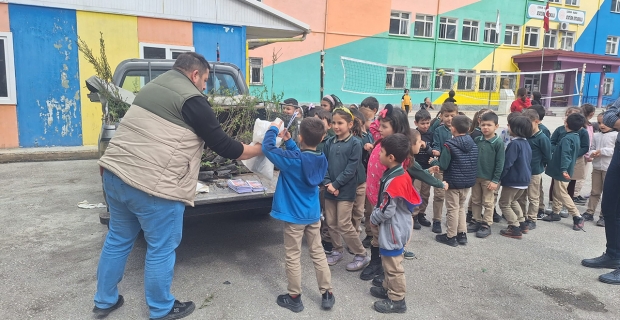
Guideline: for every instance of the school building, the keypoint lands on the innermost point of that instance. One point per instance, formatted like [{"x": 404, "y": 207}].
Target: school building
[
  {"x": 451, "y": 35},
  {"x": 43, "y": 98}
]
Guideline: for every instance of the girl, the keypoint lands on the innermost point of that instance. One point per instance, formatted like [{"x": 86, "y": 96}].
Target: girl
[
  {"x": 360, "y": 194},
  {"x": 343, "y": 153},
  {"x": 588, "y": 111},
  {"x": 516, "y": 176},
  {"x": 522, "y": 101},
  {"x": 330, "y": 102},
  {"x": 474, "y": 130},
  {"x": 391, "y": 120}
]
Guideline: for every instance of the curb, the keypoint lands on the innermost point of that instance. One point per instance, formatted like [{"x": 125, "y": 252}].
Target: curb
[{"x": 48, "y": 154}]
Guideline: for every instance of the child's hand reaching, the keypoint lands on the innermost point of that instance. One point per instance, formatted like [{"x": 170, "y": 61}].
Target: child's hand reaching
[
  {"x": 432, "y": 159},
  {"x": 492, "y": 186},
  {"x": 445, "y": 185},
  {"x": 433, "y": 169},
  {"x": 566, "y": 176},
  {"x": 436, "y": 153},
  {"x": 285, "y": 135},
  {"x": 595, "y": 154},
  {"x": 368, "y": 147}
]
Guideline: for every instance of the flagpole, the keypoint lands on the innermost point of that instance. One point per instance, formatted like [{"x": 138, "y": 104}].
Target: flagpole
[{"x": 497, "y": 31}]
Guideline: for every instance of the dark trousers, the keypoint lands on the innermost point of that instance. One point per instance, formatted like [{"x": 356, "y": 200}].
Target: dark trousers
[{"x": 610, "y": 206}]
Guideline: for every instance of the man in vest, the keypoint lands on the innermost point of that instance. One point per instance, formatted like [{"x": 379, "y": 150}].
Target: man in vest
[{"x": 150, "y": 173}]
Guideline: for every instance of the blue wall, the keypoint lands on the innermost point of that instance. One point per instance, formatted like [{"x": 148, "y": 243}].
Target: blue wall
[
  {"x": 593, "y": 40},
  {"x": 47, "y": 77},
  {"x": 231, "y": 41}
]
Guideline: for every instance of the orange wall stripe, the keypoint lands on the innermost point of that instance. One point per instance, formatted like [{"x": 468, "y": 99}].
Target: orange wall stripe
[{"x": 163, "y": 31}]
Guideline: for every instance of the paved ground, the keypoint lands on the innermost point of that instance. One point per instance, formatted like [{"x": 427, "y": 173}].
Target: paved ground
[{"x": 233, "y": 265}]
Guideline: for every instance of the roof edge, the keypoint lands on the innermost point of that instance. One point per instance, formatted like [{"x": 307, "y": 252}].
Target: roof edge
[{"x": 260, "y": 5}]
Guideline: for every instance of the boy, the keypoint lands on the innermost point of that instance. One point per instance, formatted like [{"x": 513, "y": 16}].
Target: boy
[
  {"x": 541, "y": 155},
  {"x": 603, "y": 144},
  {"x": 490, "y": 166},
  {"x": 541, "y": 115},
  {"x": 440, "y": 135},
  {"x": 423, "y": 123},
  {"x": 562, "y": 166},
  {"x": 296, "y": 202},
  {"x": 459, "y": 161},
  {"x": 392, "y": 217}
]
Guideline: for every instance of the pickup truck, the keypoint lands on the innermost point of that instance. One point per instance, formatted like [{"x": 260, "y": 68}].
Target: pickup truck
[{"x": 129, "y": 76}]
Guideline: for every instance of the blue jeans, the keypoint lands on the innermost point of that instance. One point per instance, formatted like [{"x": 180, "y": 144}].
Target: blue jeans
[
  {"x": 162, "y": 222},
  {"x": 610, "y": 205}
]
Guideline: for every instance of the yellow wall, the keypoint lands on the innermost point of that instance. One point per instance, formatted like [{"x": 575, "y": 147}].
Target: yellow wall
[{"x": 121, "y": 41}]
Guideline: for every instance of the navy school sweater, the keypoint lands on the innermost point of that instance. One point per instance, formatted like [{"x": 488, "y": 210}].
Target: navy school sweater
[{"x": 517, "y": 171}]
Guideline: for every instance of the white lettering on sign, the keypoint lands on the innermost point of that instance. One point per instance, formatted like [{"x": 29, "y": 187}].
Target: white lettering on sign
[{"x": 535, "y": 11}]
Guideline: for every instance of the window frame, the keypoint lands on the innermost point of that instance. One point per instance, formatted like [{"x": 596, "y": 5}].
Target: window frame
[
  {"x": 454, "y": 22},
  {"x": 424, "y": 23},
  {"x": 528, "y": 36},
  {"x": 421, "y": 72},
  {"x": 511, "y": 28},
  {"x": 471, "y": 28},
  {"x": 490, "y": 28},
  {"x": 566, "y": 2},
  {"x": 512, "y": 80},
  {"x": 441, "y": 87},
  {"x": 254, "y": 65},
  {"x": 615, "y": 52},
  {"x": 395, "y": 70},
  {"x": 615, "y": 6},
  {"x": 401, "y": 20},
  {"x": 11, "y": 98},
  {"x": 170, "y": 49},
  {"x": 552, "y": 35},
  {"x": 564, "y": 36},
  {"x": 555, "y": 1},
  {"x": 485, "y": 76},
  {"x": 608, "y": 83},
  {"x": 468, "y": 75}
]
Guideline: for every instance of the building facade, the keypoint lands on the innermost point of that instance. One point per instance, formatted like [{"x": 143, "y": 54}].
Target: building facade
[
  {"x": 429, "y": 35},
  {"x": 43, "y": 98}
]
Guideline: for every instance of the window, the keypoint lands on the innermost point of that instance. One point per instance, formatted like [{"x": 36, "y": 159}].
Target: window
[
  {"x": 444, "y": 82},
  {"x": 555, "y": 1},
  {"x": 466, "y": 80},
  {"x": 420, "y": 79},
  {"x": 395, "y": 78},
  {"x": 531, "y": 37},
  {"x": 487, "y": 81},
  {"x": 508, "y": 82},
  {"x": 470, "y": 30},
  {"x": 572, "y": 2},
  {"x": 612, "y": 46},
  {"x": 615, "y": 6},
  {"x": 424, "y": 25},
  {"x": 568, "y": 40},
  {"x": 399, "y": 23},
  {"x": 608, "y": 86},
  {"x": 162, "y": 51},
  {"x": 490, "y": 34},
  {"x": 512, "y": 35},
  {"x": 447, "y": 28},
  {"x": 551, "y": 39},
  {"x": 7, "y": 69},
  {"x": 256, "y": 70}
]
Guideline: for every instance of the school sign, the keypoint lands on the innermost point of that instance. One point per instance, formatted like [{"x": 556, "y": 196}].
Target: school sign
[{"x": 537, "y": 11}]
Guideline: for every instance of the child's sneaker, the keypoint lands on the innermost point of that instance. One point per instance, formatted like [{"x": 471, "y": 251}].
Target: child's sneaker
[
  {"x": 378, "y": 280},
  {"x": 366, "y": 242},
  {"x": 578, "y": 223},
  {"x": 358, "y": 263},
  {"x": 181, "y": 310},
  {"x": 416, "y": 223},
  {"x": 422, "y": 220},
  {"x": 541, "y": 214},
  {"x": 102, "y": 313},
  {"x": 496, "y": 217},
  {"x": 484, "y": 231},
  {"x": 588, "y": 217},
  {"x": 408, "y": 254},
  {"x": 552, "y": 217},
  {"x": 511, "y": 232},
  {"x": 379, "y": 292},
  {"x": 334, "y": 258},
  {"x": 601, "y": 222},
  {"x": 328, "y": 247},
  {"x": 469, "y": 217},
  {"x": 327, "y": 300},
  {"x": 524, "y": 227},
  {"x": 371, "y": 271},
  {"x": 293, "y": 304},
  {"x": 436, "y": 227},
  {"x": 390, "y": 306},
  {"x": 461, "y": 238},
  {"x": 531, "y": 224},
  {"x": 443, "y": 238},
  {"x": 473, "y": 227}
]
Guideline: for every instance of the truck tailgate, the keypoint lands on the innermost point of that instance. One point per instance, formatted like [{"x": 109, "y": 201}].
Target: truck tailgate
[{"x": 219, "y": 191}]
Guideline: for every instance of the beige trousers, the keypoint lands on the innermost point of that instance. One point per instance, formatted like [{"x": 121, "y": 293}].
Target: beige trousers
[
  {"x": 598, "y": 180},
  {"x": 532, "y": 194},
  {"x": 561, "y": 198},
  {"x": 358, "y": 207},
  {"x": 394, "y": 282},
  {"x": 425, "y": 192},
  {"x": 456, "y": 216},
  {"x": 338, "y": 216},
  {"x": 541, "y": 198},
  {"x": 293, "y": 234},
  {"x": 510, "y": 206},
  {"x": 438, "y": 199},
  {"x": 367, "y": 212},
  {"x": 483, "y": 201}
]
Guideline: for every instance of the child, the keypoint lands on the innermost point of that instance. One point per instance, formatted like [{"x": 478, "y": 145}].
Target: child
[
  {"x": 474, "y": 130},
  {"x": 561, "y": 168},
  {"x": 588, "y": 111},
  {"x": 392, "y": 218},
  {"x": 330, "y": 102},
  {"x": 391, "y": 121},
  {"x": 459, "y": 160},
  {"x": 450, "y": 97},
  {"x": 541, "y": 155},
  {"x": 440, "y": 135},
  {"x": 296, "y": 202},
  {"x": 516, "y": 176},
  {"x": 423, "y": 122},
  {"x": 368, "y": 145},
  {"x": 343, "y": 153},
  {"x": 522, "y": 101},
  {"x": 602, "y": 149},
  {"x": 326, "y": 119},
  {"x": 490, "y": 166},
  {"x": 405, "y": 102},
  {"x": 541, "y": 115},
  {"x": 360, "y": 193}
]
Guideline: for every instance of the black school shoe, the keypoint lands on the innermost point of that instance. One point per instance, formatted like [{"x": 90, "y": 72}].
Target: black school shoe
[
  {"x": 496, "y": 217},
  {"x": 328, "y": 247},
  {"x": 179, "y": 310},
  {"x": 512, "y": 232},
  {"x": 102, "y": 313},
  {"x": 484, "y": 231},
  {"x": 578, "y": 223},
  {"x": 378, "y": 280},
  {"x": 416, "y": 223},
  {"x": 461, "y": 238},
  {"x": 371, "y": 271},
  {"x": 366, "y": 242},
  {"x": 604, "y": 261},
  {"x": 443, "y": 238},
  {"x": 531, "y": 224},
  {"x": 390, "y": 306},
  {"x": 293, "y": 304},
  {"x": 379, "y": 292},
  {"x": 422, "y": 220},
  {"x": 552, "y": 217},
  {"x": 588, "y": 217},
  {"x": 436, "y": 227},
  {"x": 541, "y": 214},
  {"x": 469, "y": 217},
  {"x": 327, "y": 300},
  {"x": 610, "y": 278},
  {"x": 524, "y": 226},
  {"x": 473, "y": 227}
]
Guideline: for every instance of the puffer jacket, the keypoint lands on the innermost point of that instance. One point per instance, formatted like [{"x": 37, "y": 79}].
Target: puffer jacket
[{"x": 463, "y": 168}]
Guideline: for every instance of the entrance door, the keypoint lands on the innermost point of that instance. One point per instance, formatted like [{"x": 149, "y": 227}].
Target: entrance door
[{"x": 531, "y": 83}]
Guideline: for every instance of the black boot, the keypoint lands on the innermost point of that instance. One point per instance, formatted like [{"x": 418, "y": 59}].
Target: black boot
[
  {"x": 374, "y": 268},
  {"x": 416, "y": 223},
  {"x": 470, "y": 216},
  {"x": 422, "y": 220}
]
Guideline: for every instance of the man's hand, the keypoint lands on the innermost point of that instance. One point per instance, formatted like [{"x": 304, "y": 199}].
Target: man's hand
[
  {"x": 445, "y": 185},
  {"x": 330, "y": 188},
  {"x": 368, "y": 147},
  {"x": 434, "y": 169},
  {"x": 336, "y": 193},
  {"x": 436, "y": 153},
  {"x": 566, "y": 176},
  {"x": 492, "y": 186}
]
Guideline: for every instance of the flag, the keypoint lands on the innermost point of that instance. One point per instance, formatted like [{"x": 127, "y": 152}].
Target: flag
[
  {"x": 497, "y": 26},
  {"x": 217, "y": 52},
  {"x": 546, "y": 19}
]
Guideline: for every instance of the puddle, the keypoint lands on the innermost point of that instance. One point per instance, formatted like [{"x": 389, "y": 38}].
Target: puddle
[{"x": 569, "y": 299}]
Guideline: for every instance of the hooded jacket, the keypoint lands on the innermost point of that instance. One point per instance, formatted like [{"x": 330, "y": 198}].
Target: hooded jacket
[
  {"x": 518, "y": 105},
  {"x": 459, "y": 160},
  {"x": 296, "y": 199}
]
